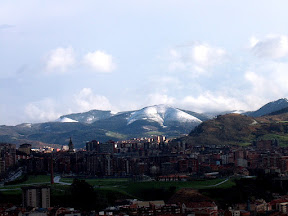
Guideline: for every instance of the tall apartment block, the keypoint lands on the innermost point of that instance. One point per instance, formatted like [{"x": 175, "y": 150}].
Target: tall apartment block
[{"x": 36, "y": 196}]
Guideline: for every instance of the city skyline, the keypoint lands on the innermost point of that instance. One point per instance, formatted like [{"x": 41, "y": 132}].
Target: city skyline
[{"x": 68, "y": 57}]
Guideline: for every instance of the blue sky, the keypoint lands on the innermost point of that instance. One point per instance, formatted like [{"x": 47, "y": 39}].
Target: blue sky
[{"x": 60, "y": 57}]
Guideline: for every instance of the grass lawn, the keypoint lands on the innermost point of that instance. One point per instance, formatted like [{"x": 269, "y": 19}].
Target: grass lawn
[
  {"x": 130, "y": 186},
  {"x": 124, "y": 187},
  {"x": 164, "y": 190},
  {"x": 228, "y": 184},
  {"x": 147, "y": 190},
  {"x": 32, "y": 179},
  {"x": 37, "y": 179},
  {"x": 161, "y": 184},
  {"x": 102, "y": 182}
]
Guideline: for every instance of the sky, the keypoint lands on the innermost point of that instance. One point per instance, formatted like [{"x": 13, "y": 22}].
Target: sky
[{"x": 65, "y": 56}]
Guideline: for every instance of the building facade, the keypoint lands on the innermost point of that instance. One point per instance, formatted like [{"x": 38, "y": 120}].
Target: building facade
[{"x": 36, "y": 196}]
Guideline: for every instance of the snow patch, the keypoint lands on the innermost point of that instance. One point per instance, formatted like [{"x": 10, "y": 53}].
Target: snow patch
[
  {"x": 27, "y": 125},
  {"x": 114, "y": 112},
  {"x": 238, "y": 111},
  {"x": 90, "y": 119},
  {"x": 162, "y": 114},
  {"x": 254, "y": 122},
  {"x": 65, "y": 119}
]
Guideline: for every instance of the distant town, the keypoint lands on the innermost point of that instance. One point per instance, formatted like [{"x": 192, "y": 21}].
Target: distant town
[{"x": 148, "y": 161}]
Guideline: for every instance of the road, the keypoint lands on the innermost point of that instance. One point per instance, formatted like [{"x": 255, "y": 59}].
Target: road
[
  {"x": 57, "y": 180},
  {"x": 218, "y": 183}
]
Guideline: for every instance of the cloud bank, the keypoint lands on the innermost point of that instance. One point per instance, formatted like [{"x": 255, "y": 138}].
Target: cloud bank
[
  {"x": 273, "y": 46},
  {"x": 49, "y": 109},
  {"x": 99, "y": 61},
  {"x": 42, "y": 111},
  {"x": 60, "y": 59},
  {"x": 86, "y": 100},
  {"x": 197, "y": 59}
]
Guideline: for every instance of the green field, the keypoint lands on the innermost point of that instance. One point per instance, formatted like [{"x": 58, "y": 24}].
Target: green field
[
  {"x": 115, "y": 135},
  {"x": 119, "y": 188},
  {"x": 32, "y": 179},
  {"x": 143, "y": 190},
  {"x": 162, "y": 190},
  {"x": 102, "y": 182},
  {"x": 37, "y": 179},
  {"x": 126, "y": 183},
  {"x": 107, "y": 190},
  {"x": 282, "y": 139},
  {"x": 158, "y": 133}
]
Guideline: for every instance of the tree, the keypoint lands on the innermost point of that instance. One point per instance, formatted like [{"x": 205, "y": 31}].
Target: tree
[{"x": 83, "y": 195}]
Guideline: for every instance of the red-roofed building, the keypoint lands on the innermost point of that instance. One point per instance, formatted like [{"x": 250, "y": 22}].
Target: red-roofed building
[{"x": 201, "y": 208}]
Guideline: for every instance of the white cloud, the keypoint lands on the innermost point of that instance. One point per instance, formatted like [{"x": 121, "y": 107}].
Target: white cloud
[
  {"x": 49, "y": 109},
  {"x": 205, "y": 55},
  {"x": 157, "y": 98},
  {"x": 42, "y": 111},
  {"x": 273, "y": 46},
  {"x": 209, "y": 101},
  {"x": 262, "y": 82},
  {"x": 100, "y": 61},
  {"x": 86, "y": 100},
  {"x": 60, "y": 59},
  {"x": 197, "y": 59},
  {"x": 253, "y": 41},
  {"x": 268, "y": 80}
]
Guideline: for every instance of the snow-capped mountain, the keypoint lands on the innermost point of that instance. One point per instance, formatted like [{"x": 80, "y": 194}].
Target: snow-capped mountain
[
  {"x": 105, "y": 125},
  {"x": 88, "y": 117},
  {"x": 269, "y": 108},
  {"x": 163, "y": 115}
]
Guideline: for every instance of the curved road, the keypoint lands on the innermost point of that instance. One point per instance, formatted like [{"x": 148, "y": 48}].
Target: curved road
[
  {"x": 218, "y": 183},
  {"x": 57, "y": 180}
]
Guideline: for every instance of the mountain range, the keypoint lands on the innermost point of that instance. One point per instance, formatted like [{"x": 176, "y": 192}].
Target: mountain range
[
  {"x": 236, "y": 129},
  {"x": 268, "y": 122},
  {"x": 153, "y": 120},
  {"x": 269, "y": 108},
  {"x": 105, "y": 125}
]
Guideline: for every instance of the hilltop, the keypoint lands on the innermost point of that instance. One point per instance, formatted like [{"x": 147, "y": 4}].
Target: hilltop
[{"x": 237, "y": 129}]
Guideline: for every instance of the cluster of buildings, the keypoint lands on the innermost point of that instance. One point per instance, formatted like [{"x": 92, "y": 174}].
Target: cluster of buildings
[
  {"x": 186, "y": 202},
  {"x": 277, "y": 206},
  {"x": 155, "y": 157},
  {"x": 36, "y": 201},
  {"x": 199, "y": 206},
  {"x": 12, "y": 210}
]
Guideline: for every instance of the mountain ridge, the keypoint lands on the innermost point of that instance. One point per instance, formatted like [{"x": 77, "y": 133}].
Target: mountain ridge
[
  {"x": 104, "y": 125},
  {"x": 237, "y": 129},
  {"x": 270, "y": 107},
  {"x": 152, "y": 120}
]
